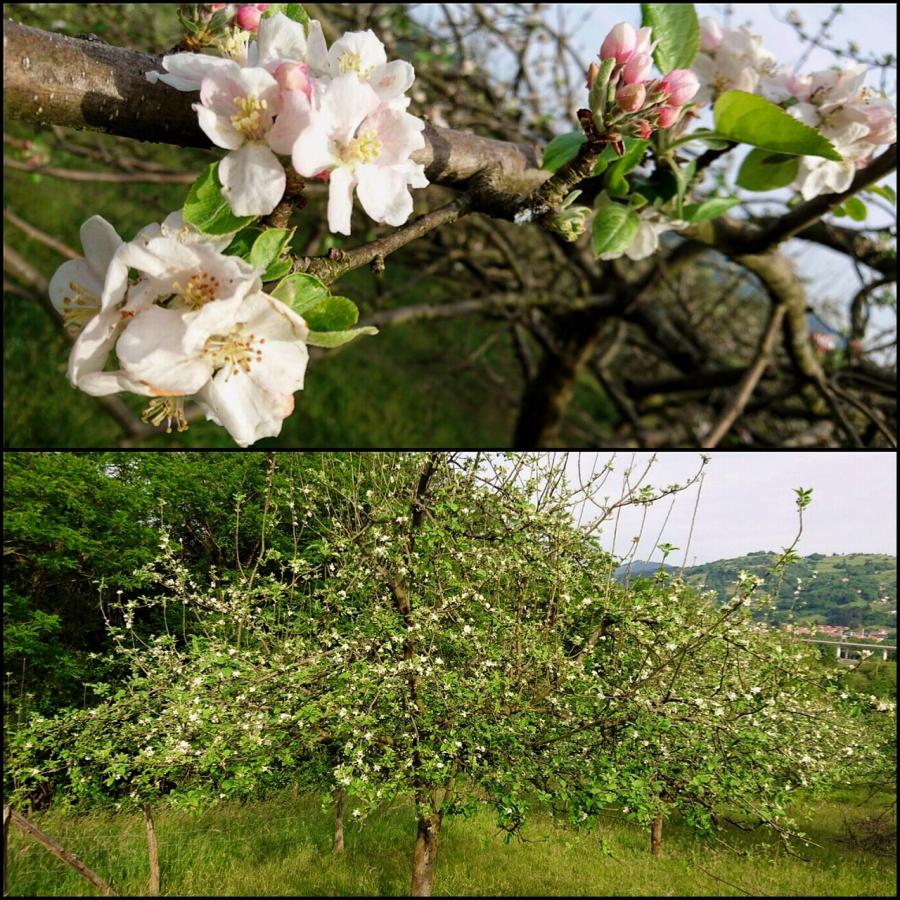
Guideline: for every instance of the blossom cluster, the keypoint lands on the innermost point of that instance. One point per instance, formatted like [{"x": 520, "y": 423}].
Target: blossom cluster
[
  {"x": 646, "y": 103},
  {"x": 833, "y": 101},
  {"x": 189, "y": 321},
  {"x": 339, "y": 113}
]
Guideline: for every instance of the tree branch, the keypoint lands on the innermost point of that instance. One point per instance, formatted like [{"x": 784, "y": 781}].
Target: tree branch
[{"x": 52, "y": 79}]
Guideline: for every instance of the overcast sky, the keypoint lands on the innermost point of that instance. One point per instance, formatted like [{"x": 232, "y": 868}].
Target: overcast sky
[{"x": 747, "y": 503}]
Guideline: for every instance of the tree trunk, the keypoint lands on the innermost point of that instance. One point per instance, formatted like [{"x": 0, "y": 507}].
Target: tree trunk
[
  {"x": 425, "y": 855},
  {"x": 656, "y": 835},
  {"x": 153, "y": 851},
  {"x": 339, "y": 798}
]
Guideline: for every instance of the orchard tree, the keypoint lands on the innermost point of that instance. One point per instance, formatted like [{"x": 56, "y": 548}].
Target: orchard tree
[
  {"x": 446, "y": 630},
  {"x": 212, "y": 310}
]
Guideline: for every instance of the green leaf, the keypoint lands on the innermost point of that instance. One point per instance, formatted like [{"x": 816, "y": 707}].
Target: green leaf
[
  {"x": 308, "y": 297},
  {"x": 242, "y": 243},
  {"x": 744, "y": 117},
  {"x": 269, "y": 246},
  {"x": 856, "y": 209},
  {"x": 294, "y": 11},
  {"x": 616, "y": 185},
  {"x": 683, "y": 177},
  {"x": 764, "y": 170},
  {"x": 614, "y": 228},
  {"x": 301, "y": 291},
  {"x": 884, "y": 190},
  {"x": 562, "y": 149},
  {"x": 331, "y": 314},
  {"x": 676, "y": 27},
  {"x": 709, "y": 209},
  {"x": 338, "y": 338},
  {"x": 207, "y": 209},
  {"x": 277, "y": 270}
]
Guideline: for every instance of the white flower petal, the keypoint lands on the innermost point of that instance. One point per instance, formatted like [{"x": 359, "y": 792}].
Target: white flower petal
[
  {"x": 245, "y": 410},
  {"x": 383, "y": 193},
  {"x": 99, "y": 241},
  {"x": 316, "y": 49},
  {"x": 253, "y": 180},
  {"x": 312, "y": 152},
  {"x": 187, "y": 70},
  {"x": 393, "y": 79},
  {"x": 280, "y": 39},
  {"x": 218, "y": 128},
  {"x": 81, "y": 274},
  {"x": 340, "y": 200},
  {"x": 91, "y": 350},
  {"x": 150, "y": 350}
]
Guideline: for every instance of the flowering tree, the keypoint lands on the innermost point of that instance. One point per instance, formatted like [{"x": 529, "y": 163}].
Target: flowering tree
[
  {"x": 443, "y": 631},
  {"x": 216, "y": 305}
]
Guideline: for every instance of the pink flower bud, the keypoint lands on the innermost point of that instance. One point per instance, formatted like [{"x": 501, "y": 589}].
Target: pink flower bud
[
  {"x": 882, "y": 124},
  {"x": 679, "y": 86},
  {"x": 248, "y": 18},
  {"x": 630, "y": 97},
  {"x": 668, "y": 116},
  {"x": 644, "y": 131},
  {"x": 711, "y": 34},
  {"x": 619, "y": 44},
  {"x": 294, "y": 77},
  {"x": 637, "y": 68},
  {"x": 592, "y": 73}
]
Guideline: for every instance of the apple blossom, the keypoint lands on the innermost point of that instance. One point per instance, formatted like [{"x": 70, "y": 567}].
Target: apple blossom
[
  {"x": 668, "y": 116},
  {"x": 362, "y": 53},
  {"x": 236, "y": 111},
  {"x": 366, "y": 146},
  {"x": 735, "y": 63}
]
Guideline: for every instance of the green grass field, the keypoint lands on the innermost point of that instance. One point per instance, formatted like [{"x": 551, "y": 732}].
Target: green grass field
[{"x": 282, "y": 846}]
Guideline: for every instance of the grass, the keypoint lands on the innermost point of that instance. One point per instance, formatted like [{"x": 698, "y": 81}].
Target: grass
[{"x": 281, "y": 846}]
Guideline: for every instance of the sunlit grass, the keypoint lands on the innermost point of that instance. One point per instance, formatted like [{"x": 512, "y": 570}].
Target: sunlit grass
[{"x": 282, "y": 846}]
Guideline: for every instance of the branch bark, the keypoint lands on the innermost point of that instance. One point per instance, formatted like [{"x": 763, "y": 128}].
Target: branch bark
[{"x": 51, "y": 79}]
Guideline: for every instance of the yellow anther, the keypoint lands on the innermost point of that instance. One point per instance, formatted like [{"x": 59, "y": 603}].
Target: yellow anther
[
  {"x": 364, "y": 149},
  {"x": 168, "y": 409},
  {"x": 248, "y": 121}
]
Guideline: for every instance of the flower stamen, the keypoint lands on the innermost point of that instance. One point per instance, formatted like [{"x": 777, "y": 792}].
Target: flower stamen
[
  {"x": 248, "y": 120},
  {"x": 168, "y": 409},
  {"x": 234, "y": 350},
  {"x": 363, "y": 149}
]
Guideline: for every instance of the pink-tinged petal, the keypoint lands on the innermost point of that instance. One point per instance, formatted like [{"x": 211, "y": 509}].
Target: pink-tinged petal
[
  {"x": 246, "y": 411},
  {"x": 280, "y": 39},
  {"x": 619, "y": 44},
  {"x": 316, "y": 48},
  {"x": 150, "y": 350},
  {"x": 292, "y": 121},
  {"x": 217, "y": 93},
  {"x": 383, "y": 193},
  {"x": 253, "y": 180},
  {"x": 399, "y": 132},
  {"x": 99, "y": 241},
  {"x": 259, "y": 82},
  {"x": 88, "y": 286},
  {"x": 340, "y": 200},
  {"x": 343, "y": 105},
  {"x": 313, "y": 152},
  {"x": 218, "y": 129},
  {"x": 393, "y": 79}
]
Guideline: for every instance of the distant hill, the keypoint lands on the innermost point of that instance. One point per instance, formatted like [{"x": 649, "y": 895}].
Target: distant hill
[{"x": 854, "y": 589}]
